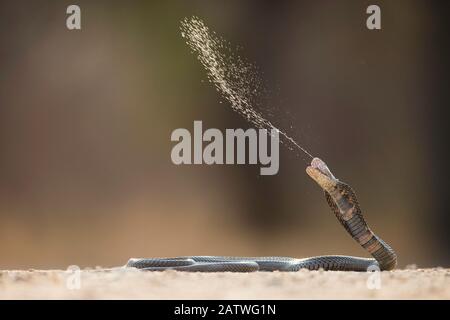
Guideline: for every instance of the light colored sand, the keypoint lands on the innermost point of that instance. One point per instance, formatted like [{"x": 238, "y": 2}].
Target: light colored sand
[{"x": 133, "y": 284}]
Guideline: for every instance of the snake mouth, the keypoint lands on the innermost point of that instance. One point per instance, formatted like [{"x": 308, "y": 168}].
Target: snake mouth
[
  {"x": 322, "y": 167},
  {"x": 319, "y": 172}
]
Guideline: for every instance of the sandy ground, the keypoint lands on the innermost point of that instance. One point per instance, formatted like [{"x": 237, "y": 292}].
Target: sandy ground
[{"x": 133, "y": 284}]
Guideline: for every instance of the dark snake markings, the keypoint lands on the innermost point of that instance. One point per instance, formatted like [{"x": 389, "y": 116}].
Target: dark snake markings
[{"x": 342, "y": 200}]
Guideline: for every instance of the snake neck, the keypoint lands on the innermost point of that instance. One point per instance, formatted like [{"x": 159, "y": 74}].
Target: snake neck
[{"x": 344, "y": 204}]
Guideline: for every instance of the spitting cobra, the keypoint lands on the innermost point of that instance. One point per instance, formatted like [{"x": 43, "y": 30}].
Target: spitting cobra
[{"x": 343, "y": 203}]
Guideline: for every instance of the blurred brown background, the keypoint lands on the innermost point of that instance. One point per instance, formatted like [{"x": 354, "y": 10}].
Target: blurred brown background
[{"x": 86, "y": 116}]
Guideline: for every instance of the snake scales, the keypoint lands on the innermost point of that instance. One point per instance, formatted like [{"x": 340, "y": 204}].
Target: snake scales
[{"x": 342, "y": 201}]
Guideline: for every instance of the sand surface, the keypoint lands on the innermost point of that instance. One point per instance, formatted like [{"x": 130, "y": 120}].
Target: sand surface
[{"x": 133, "y": 284}]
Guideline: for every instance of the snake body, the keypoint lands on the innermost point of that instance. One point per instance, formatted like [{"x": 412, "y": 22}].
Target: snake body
[{"x": 343, "y": 202}]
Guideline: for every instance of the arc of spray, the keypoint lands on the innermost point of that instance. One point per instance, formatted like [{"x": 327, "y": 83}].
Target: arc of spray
[{"x": 231, "y": 76}]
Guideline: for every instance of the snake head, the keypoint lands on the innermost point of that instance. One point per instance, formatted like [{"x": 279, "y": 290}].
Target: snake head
[{"x": 319, "y": 172}]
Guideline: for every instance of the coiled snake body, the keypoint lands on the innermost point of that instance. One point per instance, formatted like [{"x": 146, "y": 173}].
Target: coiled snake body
[{"x": 342, "y": 201}]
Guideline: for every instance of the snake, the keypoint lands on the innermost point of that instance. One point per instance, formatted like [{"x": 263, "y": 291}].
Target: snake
[{"x": 342, "y": 200}]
